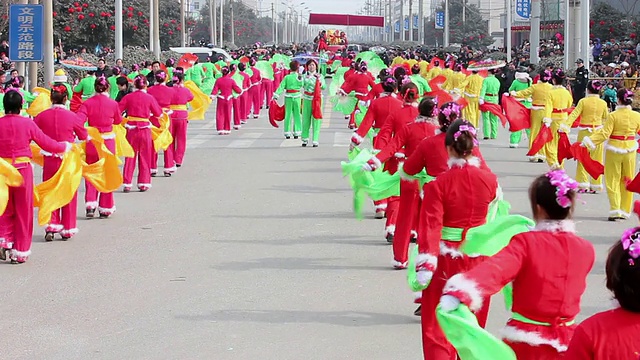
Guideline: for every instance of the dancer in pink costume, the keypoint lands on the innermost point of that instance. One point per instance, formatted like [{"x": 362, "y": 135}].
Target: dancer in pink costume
[
  {"x": 16, "y": 134},
  {"x": 102, "y": 113},
  {"x": 163, "y": 94},
  {"x": 139, "y": 105},
  {"x": 223, "y": 90},
  {"x": 181, "y": 97},
  {"x": 62, "y": 125}
]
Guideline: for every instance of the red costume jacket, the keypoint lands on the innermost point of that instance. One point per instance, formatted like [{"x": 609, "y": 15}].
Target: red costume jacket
[
  {"x": 101, "y": 112},
  {"x": 162, "y": 94},
  {"x": 181, "y": 96},
  {"x": 548, "y": 268},
  {"x": 224, "y": 88},
  {"x": 358, "y": 82},
  {"x": 408, "y": 138},
  {"x": 448, "y": 205},
  {"x": 394, "y": 123},
  {"x": 16, "y": 134},
  {"x": 376, "y": 116},
  {"x": 61, "y": 124},
  {"x": 256, "y": 77},
  {"x": 433, "y": 156},
  {"x": 140, "y": 105},
  {"x": 612, "y": 334}
]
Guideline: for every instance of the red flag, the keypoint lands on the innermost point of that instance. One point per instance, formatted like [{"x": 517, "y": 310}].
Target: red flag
[
  {"x": 442, "y": 96},
  {"x": 564, "y": 148},
  {"x": 636, "y": 208},
  {"x": 634, "y": 186},
  {"x": 76, "y": 101},
  {"x": 494, "y": 109},
  {"x": 581, "y": 154},
  {"x": 437, "y": 81},
  {"x": 187, "y": 61},
  {"x": 163, "y": 67},
  {"x": 316, "y": 102},
  {"x": 518, "y": 116},
  {"x": 244, "y": 59},
  {"x": 276, "y": 113},
  {"x": 462, "y": 102},
  {"x": 544, "y": 136}
]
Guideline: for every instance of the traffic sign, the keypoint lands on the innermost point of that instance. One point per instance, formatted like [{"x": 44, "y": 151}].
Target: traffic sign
[{"x": 26, "y": 33}]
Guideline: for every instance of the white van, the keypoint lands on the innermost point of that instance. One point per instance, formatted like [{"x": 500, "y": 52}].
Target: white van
[{"x": 203, "y": 53}]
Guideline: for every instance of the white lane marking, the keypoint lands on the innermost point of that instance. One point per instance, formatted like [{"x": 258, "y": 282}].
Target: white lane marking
[
  {"x": 291, "y": 143},
  {"x": 342, "y": 139},
  {"x": 245, "y": 141}
]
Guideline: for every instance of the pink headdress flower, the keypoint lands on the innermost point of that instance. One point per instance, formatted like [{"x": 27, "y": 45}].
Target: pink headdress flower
[
  {"x": 630, "y": 242},
  {"x": 466, "y": 128},
  {"x": 563, "y": 184},
  {"x": 451, "y": 108}
]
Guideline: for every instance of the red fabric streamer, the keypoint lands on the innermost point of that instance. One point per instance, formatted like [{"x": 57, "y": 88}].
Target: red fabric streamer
[
  {"x": 437, "y": 81},
  {"x": 76, "y": 102},
  {"x": 636, "y": 208},
  {"x": 187, "y": 61},
  {"x": 276, "y": 113},
  {"x": 581, "y": 154},
  {"x": 316, "y": 102},
  {"x": 494, "y": 109},
  {"x": 544, "y": 136},
  {"x": 564, "y": 148},
  {"x": 634, "y": 186},
  {"x": 518, "y": 116}
]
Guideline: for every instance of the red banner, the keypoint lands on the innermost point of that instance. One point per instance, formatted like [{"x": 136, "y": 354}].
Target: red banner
[{"x": 346, "y": 20}]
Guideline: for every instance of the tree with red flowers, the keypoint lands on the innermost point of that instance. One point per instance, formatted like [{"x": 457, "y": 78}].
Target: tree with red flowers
[
  {"x": 92, "y": 22},
  {"x": 609, "y": 23}
]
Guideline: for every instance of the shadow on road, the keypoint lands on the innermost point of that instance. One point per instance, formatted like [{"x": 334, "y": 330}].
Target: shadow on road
[{"x": 284, "y": 263}]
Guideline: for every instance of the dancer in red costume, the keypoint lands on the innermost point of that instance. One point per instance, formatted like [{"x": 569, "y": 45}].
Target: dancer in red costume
[
  {"x": 360, "y": 82},
  {"x": 163, "y": 95},
  {"x": 613, "y": 334},
  {"x": 60, "y": 124},
  {"x": 378, "y": 88},
  {"x": 392, "y": 126},
  {"x": 142, "y": 111},
  {"x": 445, "y": 216},
  {"x": 403, "y": 145},
  {"x": 267, "y": 88},
  {"x": 245, "y": 98},
  {"x": 548, "y": 268},
  {"x": 386, "y": 104},
  {"x": 223, "y": 90},
  {"x": 16, "y": 134},
  {"x": 181, "y": 97},
  {"x": 102, "y": 113},
  {"x": 255, "y": 90}
]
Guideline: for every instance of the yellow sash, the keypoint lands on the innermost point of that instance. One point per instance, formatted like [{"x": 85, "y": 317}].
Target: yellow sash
[
  {"x": 133, "y": 118},
  {"x": 59, "y": 189},
  {"x": 178, "y": 107},
  {"x": 123, "y": 148},
  {"x": 104, "y": 174},
  {"x": 9, "y": 176},
  {"x": 162, "y": 136},
  {"x": 41, "y": 103},
  {"x": 199, "y": 104}
]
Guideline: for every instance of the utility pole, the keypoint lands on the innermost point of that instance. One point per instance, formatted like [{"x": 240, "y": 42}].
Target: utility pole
[
  {"x": 410, "y": 20},
  {"x": 274, "y": 26},
  {"x": 584, "y": 40},
  {"x": 118, "y": 28},
  {"x": 507, "y": 45},
  {"x": 221, "y": 44},
  {"x": 212, "y": 26},
  {"x": 534, "y": 35},
  {"x": 33, "y": 66},
  {"x": 402, "y": 34},
  {"x": 215, "y": 22},
  {"x": 156, "y": 29},
  {"x": 421, "y": 21},
  {"x": 445, "y": 39},
  {"x": 48, "y": 40},
  {"x": 151, "y": 25},
  {"x": 233, "y": 28},
  {"x": 183, "y": 34}
]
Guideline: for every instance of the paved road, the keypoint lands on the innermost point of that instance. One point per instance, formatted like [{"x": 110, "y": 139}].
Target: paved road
[{"x": 250, "y": 251}]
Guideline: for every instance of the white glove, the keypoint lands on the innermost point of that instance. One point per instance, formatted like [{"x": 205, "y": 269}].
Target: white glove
[
  {"x": 449, "y": 303},
  {"x": 512, "y": 93},
  {"x": 563, "y": 129},
  {"x": 507, "y": 94},
  {"x": 352, "y": 146},
  {"x": 67, "y": 147},
  {"x": 275, "y": 96},
  {"x": 424, "y": 276},
  {"x": 367, "y": 167},
  {"x": 480, "y": 101},
  {"x": 586, "y": 142}
]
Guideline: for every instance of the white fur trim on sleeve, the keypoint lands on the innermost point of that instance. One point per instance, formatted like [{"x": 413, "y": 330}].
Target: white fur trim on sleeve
[
  {"x": 459, "y": 283},
  {"x": 404, "y": 175},
  {"x": 424, "y": 259},
  {"x": 357, "y": 139},
  {"x": 376, "y": 162},
  {"x": 424, "y": 277},
  {"x": 586, "y": 141},
  {"x": 547, "y": 121},
  {"x": 564, "y": 128},
  {"x": 516, "y": 335},
  {"x": 399, "y": 155}
]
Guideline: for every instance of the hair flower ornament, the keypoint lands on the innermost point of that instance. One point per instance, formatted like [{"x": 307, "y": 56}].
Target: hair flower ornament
[
  {"x": 563, "y": 184},
  {"x": 630, "y": 242}
]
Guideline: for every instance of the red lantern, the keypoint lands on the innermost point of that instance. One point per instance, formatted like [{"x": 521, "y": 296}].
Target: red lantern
[
  {"x": 67, "y": 28},
  {"x": 166, "y": 25},
  {"x": 92, "y": 14},
  {"x": 610, "y": 29},
  {"x": 146, "y": 21},
  {"x": 135, "y": 27},
  {"x": 633, "y": 35},
  {"x": 178, "y": 28},
  {"x": 76, "y": 4},
  {"x": 54, "y": 14},
  {"x": 79, "y": 9},
  {"x": 71, "y": 10},
  {"x": 93, "y": 26},
  {"x": 130, "y": 15},
  {"x": 591, "y": 23},
  {"x": 140, "y": 13},
  {"x": 170, "y": 32},
  {"x": 173, "y": 21},
  {"x": 112, "y": 27},
  {"x": 602, "y": 22},
  {"x": 130, "y": 8},
  {"x": 85, "y": 5},
  {"x": 471, "y": 38},
  {"x": 80, "y": 17}
]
